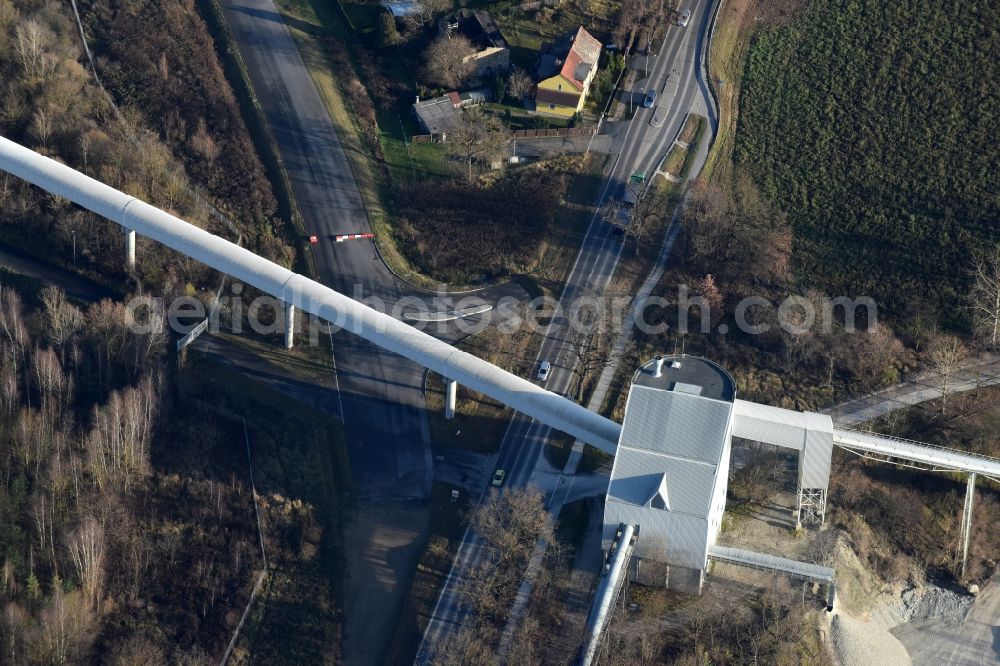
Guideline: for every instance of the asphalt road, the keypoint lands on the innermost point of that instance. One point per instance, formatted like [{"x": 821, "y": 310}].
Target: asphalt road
[
  {"x": 380, "y": 392},
  {"x": 385, "y": 419},
  {"x": 643, "y": 147}
]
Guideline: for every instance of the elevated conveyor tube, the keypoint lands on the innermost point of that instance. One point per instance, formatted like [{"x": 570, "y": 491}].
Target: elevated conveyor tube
[
  {"x": 607, "y": 592},
  {"x": 310, "y": 296},
  {"x": 916, "y": 452}
]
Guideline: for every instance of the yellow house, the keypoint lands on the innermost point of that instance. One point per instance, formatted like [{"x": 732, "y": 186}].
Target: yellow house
[{"x": 565, "y": 69}]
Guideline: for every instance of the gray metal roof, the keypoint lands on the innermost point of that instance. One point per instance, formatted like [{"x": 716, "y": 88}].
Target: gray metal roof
[
  {"x": 637, "y": 475},
  {"x": 673, "y": 435},
  {"x": 676, "y": 423},
  {"x": 437, "y": 115}
]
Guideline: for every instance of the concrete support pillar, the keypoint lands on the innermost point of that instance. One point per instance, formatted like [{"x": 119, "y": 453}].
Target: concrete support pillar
[
  {"x": 451, "y": 394},
  {"x": 289, "y": 325},
  {"x": 130, "y": 249},
  {"x": 970, "y": 492}
]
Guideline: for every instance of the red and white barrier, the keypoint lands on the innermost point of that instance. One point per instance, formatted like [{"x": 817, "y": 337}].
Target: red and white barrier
[{"x": 340, "y": 238}]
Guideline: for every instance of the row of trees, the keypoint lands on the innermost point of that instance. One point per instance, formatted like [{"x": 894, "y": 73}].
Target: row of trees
[{"x": 511, "y": 525}]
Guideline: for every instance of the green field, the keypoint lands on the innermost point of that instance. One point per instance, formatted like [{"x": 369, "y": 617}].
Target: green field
[{"x": 874, "y": 125}]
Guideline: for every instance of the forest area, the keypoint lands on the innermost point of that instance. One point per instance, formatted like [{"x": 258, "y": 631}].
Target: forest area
[
  {"x": 181, "y": 146},
  {"x": 872, "y": 126},
  {"x": 127, "y": 525},
  {"x": 128, "y": 531}
]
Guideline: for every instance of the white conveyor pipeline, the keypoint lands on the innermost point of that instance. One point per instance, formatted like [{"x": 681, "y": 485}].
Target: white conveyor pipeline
[{"x": 310, "y": 296}]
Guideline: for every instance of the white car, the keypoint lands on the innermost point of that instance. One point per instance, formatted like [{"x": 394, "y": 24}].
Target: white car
[
  {"x": 543, "y": 370},
  {"x": 683, "y": 18}
]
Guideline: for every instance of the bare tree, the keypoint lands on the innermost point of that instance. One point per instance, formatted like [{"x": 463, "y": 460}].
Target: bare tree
[
  {"x": 445, "y": 60},
  {"x": 63, "y": 320},
  {"x": 42, "y": 126},
  {"x": 634, "y": 15},
  {"x": 756, "y": 479},
  {"x": 734, "y": 234},
  {"x": 592, "y": 327},
  {"x": 985, "y": 295},
  {"x": 650, "y": 205},
  {"x": 31, "y": 43},
  {"x": 429, "y": 10},
  {"x": 945, "y": 355},
  {"x": 513, "y": 521},
  {"x": 13, "y": 630},
  {"x": 519, "y": 83},
  {"x": 137, "y": 651},
  {"x": 12, "y": 327},
  {"x": 86, "y": 549},
  {"x": 470, "y": 645},
  {"x": 50, "y": 379},
  {"x": 67, "y": 628},
  {"x": 478, "y": 138},
  {"x": 512, "y": 524},
  {"x": 875, "y": 354},
  {"x": 203, "y": 144},
  {"x": 118, "y": 444}
]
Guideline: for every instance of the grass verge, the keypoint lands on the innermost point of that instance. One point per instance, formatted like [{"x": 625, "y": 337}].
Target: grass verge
[
  {"x": 726, "y": 58},
  {"x": 300, "y": 459}
]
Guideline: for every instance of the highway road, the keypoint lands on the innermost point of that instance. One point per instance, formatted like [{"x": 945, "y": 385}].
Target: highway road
[{"x": 677, "y": 74}]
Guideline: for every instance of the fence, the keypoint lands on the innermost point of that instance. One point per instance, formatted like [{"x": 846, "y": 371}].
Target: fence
[{"x": 517, "y": 134}]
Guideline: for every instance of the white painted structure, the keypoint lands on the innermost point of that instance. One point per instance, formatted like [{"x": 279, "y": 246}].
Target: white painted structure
[
  {"x": 671, "y": 471},
  {"x": 608, "y": 587},
  {"x": 808, "y": 433},
  {"x": 309, "y": 296},
  {"x": 289, "y": 325},
  {"x": 450, "y": 398}
]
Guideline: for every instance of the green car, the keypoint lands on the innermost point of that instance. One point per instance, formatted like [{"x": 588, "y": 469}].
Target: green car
[{"x": 498, "y": 478}]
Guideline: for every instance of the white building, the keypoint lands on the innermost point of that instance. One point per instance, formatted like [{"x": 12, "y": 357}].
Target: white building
[
  {"x": 670, "y": 473},
  {"x": 671, "y": 470}
]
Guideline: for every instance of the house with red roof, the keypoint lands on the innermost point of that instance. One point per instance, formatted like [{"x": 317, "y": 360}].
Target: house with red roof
[{"x": 564, "y": 71}]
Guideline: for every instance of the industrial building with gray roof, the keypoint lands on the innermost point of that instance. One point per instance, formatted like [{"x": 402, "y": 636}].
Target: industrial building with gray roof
[{"x": 670, "y": 472}]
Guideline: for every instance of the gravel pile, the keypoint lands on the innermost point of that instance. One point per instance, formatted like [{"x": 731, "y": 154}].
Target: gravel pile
[
  {"x": 866, "y": 643},
  {"x": 926, "y": 602}
]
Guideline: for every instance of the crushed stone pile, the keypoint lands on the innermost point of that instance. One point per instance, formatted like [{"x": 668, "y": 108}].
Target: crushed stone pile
[
  {"x": 865, "y": 643},
  {"x": 929, "y": 601}
]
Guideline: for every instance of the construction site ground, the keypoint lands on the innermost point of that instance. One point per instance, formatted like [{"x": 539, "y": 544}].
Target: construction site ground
[{"x": 872, "y": 622}]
